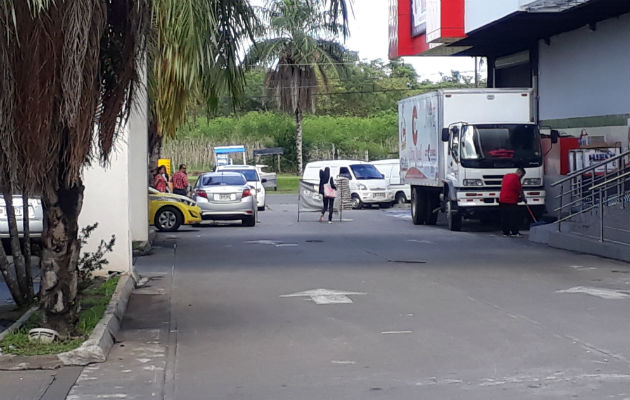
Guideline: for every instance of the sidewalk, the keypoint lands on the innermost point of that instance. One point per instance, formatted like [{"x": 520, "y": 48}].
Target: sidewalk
[
  {"x": 135, "y": 367},
  {"x": 38, "y": 385}
]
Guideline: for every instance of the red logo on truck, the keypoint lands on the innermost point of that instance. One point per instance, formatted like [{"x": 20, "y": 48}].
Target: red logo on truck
[{"x": 414, "y": 131}]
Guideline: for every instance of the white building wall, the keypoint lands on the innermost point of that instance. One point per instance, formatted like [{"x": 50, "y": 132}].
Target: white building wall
[
  {"x": 106, "y": 201},
  {"x": 585, "y": 73}
]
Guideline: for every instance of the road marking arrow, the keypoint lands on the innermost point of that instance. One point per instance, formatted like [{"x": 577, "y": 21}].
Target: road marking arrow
[{"x": 325, "y": 296}]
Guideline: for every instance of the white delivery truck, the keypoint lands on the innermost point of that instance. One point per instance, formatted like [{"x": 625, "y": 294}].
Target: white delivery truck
[{"x": 456, "y": 146}]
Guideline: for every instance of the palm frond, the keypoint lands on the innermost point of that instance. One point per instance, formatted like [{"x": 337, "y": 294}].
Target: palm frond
[
  {"x": 68, "y": 67},
  {"x": 196, "y": 52}
]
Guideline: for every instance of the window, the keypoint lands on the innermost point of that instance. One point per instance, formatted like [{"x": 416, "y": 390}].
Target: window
[
  {"x": 455, "y": 144},
  {"x": 222, "y": 180},
  {"x": 343, "y": 171},
  {"x": 366, "y": 171},
  {"x": 250, "y": 174}
]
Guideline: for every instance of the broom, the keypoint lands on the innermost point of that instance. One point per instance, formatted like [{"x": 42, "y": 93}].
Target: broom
[{"x": 531, "y": 214}]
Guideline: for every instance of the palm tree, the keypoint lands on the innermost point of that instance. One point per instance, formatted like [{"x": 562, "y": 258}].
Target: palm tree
[
  {"x": 299, "y": 48},
  {"x": 67, "y": 80},
  {"x": 67, "y": 83},
  {"x": 193, "y": 54}
]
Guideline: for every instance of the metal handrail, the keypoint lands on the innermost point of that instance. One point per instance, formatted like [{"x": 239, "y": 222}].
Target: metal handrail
[
  {"x": 593, "y": 193},
  {"x": 610, "y": 181},
  {"x": 585, "y": 210},
  {"x": 592, "y": 167},
  {"x": 594, "y": 178}
]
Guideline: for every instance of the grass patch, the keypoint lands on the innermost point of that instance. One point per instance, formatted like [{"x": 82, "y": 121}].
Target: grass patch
[
  {"x": 287, "y": 184},
  {"x": 93, "y": 303}
]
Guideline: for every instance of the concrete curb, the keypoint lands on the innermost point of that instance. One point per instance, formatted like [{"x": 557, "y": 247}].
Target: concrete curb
[
  {"x": 17, "y": 324},
  {"x": 95, "y": 348}
]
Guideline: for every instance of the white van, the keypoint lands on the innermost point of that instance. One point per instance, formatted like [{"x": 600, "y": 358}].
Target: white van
[
  {"x": 391, "y": 170},
  {"x": 367, "y": 185}
]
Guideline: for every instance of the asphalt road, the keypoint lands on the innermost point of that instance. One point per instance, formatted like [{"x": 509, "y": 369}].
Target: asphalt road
[{"x": 435, "y": 314}]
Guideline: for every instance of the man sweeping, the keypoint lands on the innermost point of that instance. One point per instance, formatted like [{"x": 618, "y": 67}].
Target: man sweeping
[{"x": 511, "y": 193}]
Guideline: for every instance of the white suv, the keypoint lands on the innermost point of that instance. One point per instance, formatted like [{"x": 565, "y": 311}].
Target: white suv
[{"x": 253, "y": 179}]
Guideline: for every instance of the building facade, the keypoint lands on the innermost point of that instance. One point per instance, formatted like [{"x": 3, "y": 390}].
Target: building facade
[{"x": 575, "y": 54}]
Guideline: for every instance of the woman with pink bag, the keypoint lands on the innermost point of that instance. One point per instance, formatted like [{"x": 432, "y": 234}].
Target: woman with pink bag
[{"x": 328, "y": 190}]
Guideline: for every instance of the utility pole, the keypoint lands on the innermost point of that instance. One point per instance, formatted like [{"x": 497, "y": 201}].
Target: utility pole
[{"x": 476, "y": 75}]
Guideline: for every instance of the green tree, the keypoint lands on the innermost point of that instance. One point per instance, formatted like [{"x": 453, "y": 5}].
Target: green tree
[
  {"x": 369, "y": 87},
  {"x": 299, "y": 41},
  {"x": 193, "y": 56}
]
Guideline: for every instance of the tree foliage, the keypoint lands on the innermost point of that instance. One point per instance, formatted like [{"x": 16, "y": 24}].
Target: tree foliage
[
  {"x": 300, "y": 50},
  {"x": 351, "y": 136}
]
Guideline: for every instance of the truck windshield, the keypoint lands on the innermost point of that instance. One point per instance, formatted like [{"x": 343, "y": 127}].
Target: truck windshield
[
  {"x": 500, "y": 146},
  {"x": 365, "y": 171}
]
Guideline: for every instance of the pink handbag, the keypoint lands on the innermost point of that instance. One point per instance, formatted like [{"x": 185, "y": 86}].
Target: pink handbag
[{"x": 329, "y": 191}]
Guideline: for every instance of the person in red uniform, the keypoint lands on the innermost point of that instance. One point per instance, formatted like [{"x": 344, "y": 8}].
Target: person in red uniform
[
  {"x": 511, "y": 193},
  {"x": 180, "y": 181}
]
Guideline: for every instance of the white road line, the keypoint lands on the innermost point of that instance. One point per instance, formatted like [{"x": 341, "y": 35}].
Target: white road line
[{"x": 608, "y": 294}]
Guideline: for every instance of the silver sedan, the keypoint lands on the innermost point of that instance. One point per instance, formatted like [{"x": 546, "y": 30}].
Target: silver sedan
[{"x": 226, "y": 196}]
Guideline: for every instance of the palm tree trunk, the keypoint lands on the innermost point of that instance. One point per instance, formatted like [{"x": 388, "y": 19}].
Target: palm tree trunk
[
  {"x": 298, "y": 140},
  {"x": 30, "y": 294},
  {"x": 10, "y": 279},
  {"x": 60, "y": 256},
  {"x": 155, "y": 149},
  {"x": 16, "y": 251}
]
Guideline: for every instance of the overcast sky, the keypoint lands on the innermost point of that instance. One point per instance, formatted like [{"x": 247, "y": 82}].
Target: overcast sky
[{"x": 369, "y": 32}]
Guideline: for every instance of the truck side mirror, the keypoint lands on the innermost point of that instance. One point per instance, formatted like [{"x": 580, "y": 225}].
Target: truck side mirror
[
  {"x": 445, "y": 135},
  {"x": 554, "y": 136}
]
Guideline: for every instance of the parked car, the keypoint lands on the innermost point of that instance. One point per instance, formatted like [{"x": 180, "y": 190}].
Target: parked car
[
  {"x": 367, "y": 185},
  {"x": 35, "y": 214},
  {"x": 253, "y": 179},
  {"x": 169, "y": 211},
  {"x": 269, "y": 179},
  {"x": 226, "y": 195},
  {"x": 391, "y": 171}
]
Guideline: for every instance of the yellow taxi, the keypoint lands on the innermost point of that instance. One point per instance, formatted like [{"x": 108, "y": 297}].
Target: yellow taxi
[{"x": 168, "y": 211}]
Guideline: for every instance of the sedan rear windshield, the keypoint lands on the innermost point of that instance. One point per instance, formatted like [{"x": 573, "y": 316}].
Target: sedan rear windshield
[
  {"x": 250, "y": 174},
  {"x": 222, "y": 180}
]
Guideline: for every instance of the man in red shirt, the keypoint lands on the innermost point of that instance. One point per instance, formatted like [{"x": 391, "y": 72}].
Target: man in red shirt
[
  {"x": 511, "y": 193},
  {"x": 180, "y": 181}
]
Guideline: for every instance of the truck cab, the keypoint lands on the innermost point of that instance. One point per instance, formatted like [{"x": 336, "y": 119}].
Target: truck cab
[{"x": 477, "y": 156}]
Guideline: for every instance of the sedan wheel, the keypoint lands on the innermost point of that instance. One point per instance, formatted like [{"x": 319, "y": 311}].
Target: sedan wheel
[
  {"x": 401, "y": 198},
  {"x": 167, "y": 219}
]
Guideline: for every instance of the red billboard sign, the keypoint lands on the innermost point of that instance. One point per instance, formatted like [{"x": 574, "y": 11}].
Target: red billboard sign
[{"x": 415, "y": 26}]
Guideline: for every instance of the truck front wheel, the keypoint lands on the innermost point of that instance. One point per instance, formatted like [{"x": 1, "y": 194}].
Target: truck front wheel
[
  {"x": 453, "y": 217},
  {"x": 417, "y": 206}
]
